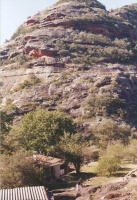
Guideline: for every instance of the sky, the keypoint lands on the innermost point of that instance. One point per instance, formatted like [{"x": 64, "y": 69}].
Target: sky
[{"x": 13, "y": 13}]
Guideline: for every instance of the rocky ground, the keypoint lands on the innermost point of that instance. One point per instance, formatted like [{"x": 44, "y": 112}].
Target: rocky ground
[{"x": 117, "y": 190}]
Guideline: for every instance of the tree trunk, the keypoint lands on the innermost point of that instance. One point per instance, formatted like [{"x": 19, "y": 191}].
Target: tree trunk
[
  {"x": 77, "y": 167},
  {"x": 66, "y": 167}
]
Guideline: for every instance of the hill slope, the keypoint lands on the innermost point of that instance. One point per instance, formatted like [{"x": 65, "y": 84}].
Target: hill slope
[{"x": 76, "y": 57}]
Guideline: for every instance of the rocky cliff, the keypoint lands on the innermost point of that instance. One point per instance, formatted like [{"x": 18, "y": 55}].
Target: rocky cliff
[{"x": 73, "y": 57}]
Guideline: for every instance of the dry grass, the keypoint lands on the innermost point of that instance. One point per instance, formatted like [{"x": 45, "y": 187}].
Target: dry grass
[
  {"x": 90, "y": 167},
  {"x": 100, "y": 180}
]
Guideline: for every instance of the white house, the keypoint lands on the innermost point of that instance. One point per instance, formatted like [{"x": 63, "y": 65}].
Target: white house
[{"x": 54, "y": 167}]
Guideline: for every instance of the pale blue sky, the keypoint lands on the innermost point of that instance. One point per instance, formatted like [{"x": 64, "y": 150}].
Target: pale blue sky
[{"x": 14, "y": 12}]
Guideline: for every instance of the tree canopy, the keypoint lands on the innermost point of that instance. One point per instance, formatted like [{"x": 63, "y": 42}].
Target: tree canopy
[
  {"x": 6, "y": 121},
  {"x": 18, "y": 171},
  {"x": 109, "y": 131},
  {"x": 70, "y": 148},
  {"x": 40, "y": 130}
]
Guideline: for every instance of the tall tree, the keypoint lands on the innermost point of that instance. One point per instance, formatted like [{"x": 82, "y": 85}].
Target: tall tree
[
  {"x": 70, "y": 148},
  {"x": 105, "y": 132},
  {"x": 109, "y": 131},
  {"x": 40, "y": 130}
]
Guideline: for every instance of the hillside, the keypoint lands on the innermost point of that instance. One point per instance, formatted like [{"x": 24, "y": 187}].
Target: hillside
[
  {"x": 81, "y": 59},
  {"x": 76, "y": 57}
]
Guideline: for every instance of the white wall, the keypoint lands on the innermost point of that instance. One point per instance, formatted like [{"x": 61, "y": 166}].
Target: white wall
[{"x": 57, "y": 171}]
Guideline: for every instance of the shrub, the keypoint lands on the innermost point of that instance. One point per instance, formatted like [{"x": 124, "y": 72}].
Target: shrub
[
  {"x": 105, "y": 104},
  {"x": 20, "y": 30},
  {"x": 107, "y": 131},
  {"x": 33, "y": 80},
  {"x": 92, "y": 3},
  {"x": 108, "y": 165},
  {"x": 9, "y": 107},
  {"x": 18, "y": 170}
]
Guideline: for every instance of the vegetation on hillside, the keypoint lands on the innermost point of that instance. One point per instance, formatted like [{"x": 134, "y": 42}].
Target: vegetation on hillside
[
  {"x": 54, "y": 133},
  {"x": 92, "y": 3},
  {"x": 105, "y": 103},
  {"x": 39, "y": 130},
  {"x": 32, "y": 80},
  {"x": 6, "y": 121}
]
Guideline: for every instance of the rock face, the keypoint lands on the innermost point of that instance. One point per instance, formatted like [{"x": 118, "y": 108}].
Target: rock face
[{"x": 77, "y": 50}]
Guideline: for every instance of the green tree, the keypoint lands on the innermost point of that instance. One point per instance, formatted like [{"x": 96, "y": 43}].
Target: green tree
[
  {"x": 18, "y": 170},
  {"x": 108, "y": 164},
  {"x": 40, "y": 130},
  {"x": 109, "y": 131},
  {"x": 105, "y": 104},
  {"x": 105, "y": 132},
  {"x": 131, "y": 151},
  {"x": 124, "y": 132},
  {"x": 116, "y": 150},
  {"x": 70, "y": 148},
  {"x": 6, "y": 121}
]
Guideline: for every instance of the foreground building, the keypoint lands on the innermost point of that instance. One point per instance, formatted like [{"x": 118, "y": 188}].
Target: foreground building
[{"x": 24, "y": 193}]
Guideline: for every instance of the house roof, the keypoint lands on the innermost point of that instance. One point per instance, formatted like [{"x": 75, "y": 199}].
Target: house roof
[
  {"x": 24, "y": 193},
  {"x": 47, "y": 160}
]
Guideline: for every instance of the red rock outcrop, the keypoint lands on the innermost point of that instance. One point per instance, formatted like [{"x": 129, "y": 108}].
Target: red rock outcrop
[
  {"x": 31, "y": 22},
  {"x": 42, "y": 52},
  {"x": 35, "y": 53},
  {"x": 29, "y": 37}
]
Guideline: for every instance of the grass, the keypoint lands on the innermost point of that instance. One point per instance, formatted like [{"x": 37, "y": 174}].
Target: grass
[
  {"x": 33, "y": 80},
  {"x": 99, "y": 180},
  {"x": 96, "y": 180},
  {"x": 122, "y": 171},
  {"x": 90, "y": 177},
  {"x": 90, "y": 167}
]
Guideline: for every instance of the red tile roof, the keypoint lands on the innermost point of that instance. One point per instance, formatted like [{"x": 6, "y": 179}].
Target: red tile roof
[{"x": 48, "y": 160}]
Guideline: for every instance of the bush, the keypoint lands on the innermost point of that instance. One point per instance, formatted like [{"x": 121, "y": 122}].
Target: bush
[
  {"x": 33, "y": 80},
  {"x": 108, "y": 165},
  {"x": 106, "y": 105},
  {"x": 19, "y": 171},
  {"x": 107, "y": 132},
  {"x": 131, "y": 153},
  {"x": 117, "y": 150},
  {"x": 21, "y": 30},
  {"x": 92, "y": 3}
]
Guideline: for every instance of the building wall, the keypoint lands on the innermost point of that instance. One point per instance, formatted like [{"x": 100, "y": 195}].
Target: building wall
[{"x": 57, "y": 171}]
